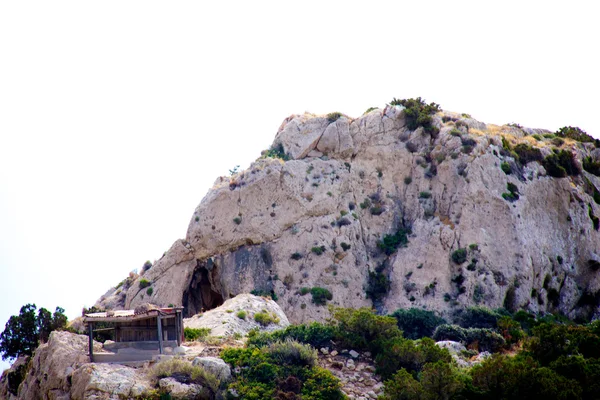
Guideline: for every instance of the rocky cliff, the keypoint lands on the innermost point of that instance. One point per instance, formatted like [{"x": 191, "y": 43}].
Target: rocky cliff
[{"x": 378, "y": 213}]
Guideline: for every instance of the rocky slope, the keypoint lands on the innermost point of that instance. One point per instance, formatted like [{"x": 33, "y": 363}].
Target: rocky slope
[{"x": 315, "y": 220}]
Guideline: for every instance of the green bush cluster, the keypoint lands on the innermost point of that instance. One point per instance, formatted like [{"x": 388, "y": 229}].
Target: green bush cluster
[
  {"x": 265, "y": 318},
  {"x": 390, "y": 243},
  {"x": 378, "y": 285},
  {"x": 512, "y": 194},
  {"x": 560, "y": 164},
  {"x": 416, "y": 323},
  {"x": 320, "y": 295},
  {"x": 334, "y": 116},
  {"x": 280, "y": 370},
  {"x": 192, "y": 334},
  {"x": 144, "y": 283},
  {"x": 483, "y": 338},
  {"x": 277, "y": 151},
  {"x": 418, "y": 113},
  {"x": 576, "y": 133},
  {"x": 265, "y": 293},
  {"x": 315, "y": 334},
  {"x": 318, "y": 250},
  {"x": 591, "y": 166},
  {"x": 506, "y": 168},
  {"x": 459, "y": 255},
  {"x": 183, "y": 371},
  {"x": 527, "y": 153}
]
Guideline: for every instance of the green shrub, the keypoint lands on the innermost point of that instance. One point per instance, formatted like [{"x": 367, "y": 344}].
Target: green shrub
[
  {"x": 144, "y": 283},
  {"x": 377, "y": 210},
  {"x": 320, "y": 384},
  {"x": 241, "y": 314},
  {"x": 513, "y": 192},
  {"x": 304, "y": 291},
  {"x": 402, "y": 386},
  {"x": 528, "y": 153},
  {"x": 192, "y": 334},
  {"x": 264, "y": 293},
  {"x": 296, "y": 256},
  {"x": 345, "y": 246},
  {"x": 594, "y": 218},
  {"x": 418, "y": 113},
  {"x": 560, "y": 164},
  {"x": 593, "y": 167},
  {"x": 290, "y": 352},
  {"x": 485, "y": 339},
  {"x": 478, "y": 317},
  {"x": 316, "y": 334},
  {"x": 185, "y": 372},
  {"x": 459, "y": 256},
  {"x": 506, "y": 168},
  {"x": 390, "y": 243},
  {"x": 424, "y": 195},
  {"x": 378, "y": 285},
  {"x": 277, "y": 152},
  {"x": 149, "y": 291},
  {"x": 318, "y": 250},
  {"x": 334, "y": 116},
  {"x": 575, "y": 133},
  {"x": 362, "y": 329},
  {"x": 264, "y": 318},
  {"x": 147, "y": 265},
  {"x": 366, "y": 203},
  {"x": 450, "y": 332},
  {"x": 417, "y": 323},
  {"x": 369, "y": 110},
  {"x": 411, "y": 355},
  {"x": 320, "y": 295},
  {"x": 407, "y": 180}
]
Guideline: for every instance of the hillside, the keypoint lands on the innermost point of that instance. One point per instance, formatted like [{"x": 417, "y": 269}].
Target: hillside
[{"x": 401, "y": 207}]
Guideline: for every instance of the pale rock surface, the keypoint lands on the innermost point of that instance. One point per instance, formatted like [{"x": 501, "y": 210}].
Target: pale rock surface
[
  {"x": 215, "y": 366},
  {"x": 453, "y": 347},
  {"x": 179, "y": 390},
  {"x": 108, "y": 381},
  {"x": 290, "y": 207},
  {"x": 224, "y": 322}
]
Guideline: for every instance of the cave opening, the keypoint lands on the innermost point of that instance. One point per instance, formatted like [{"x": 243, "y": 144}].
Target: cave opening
[{"x": 200, "y": 295}]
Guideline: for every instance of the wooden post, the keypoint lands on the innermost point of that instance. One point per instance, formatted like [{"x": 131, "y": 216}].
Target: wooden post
[
  {"x": 91, "y": 340},
  {"x": 159, "y": 327},
  {"x": 177, "y": 335}
]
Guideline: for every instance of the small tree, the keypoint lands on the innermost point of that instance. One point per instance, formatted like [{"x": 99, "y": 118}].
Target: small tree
[{"x": 24, "y": 332}]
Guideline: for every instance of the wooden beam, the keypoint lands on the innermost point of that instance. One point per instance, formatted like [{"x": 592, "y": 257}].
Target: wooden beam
[
  {"x": 159, "y": 327},
  {"x": 91, "y": 340},
  {"x": 177, "y": 329}
]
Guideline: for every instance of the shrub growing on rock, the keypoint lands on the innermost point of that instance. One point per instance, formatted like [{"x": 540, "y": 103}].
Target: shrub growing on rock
[
  {"x": 390, "y": 243},
  {"x": 291, "y": 352},
  {"x": 459, "y": 256},
  {"x": 418, "y": 113},
  {"x": 184, "y": 372},
  {"x": 192, "y": 334},
  {"x": 264, "y": 318},
  {"x": 320, "y": 295},
  {"x": 417, "y": 323}
]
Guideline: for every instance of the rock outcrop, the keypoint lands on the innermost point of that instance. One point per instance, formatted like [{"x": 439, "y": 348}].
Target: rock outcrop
[
  {"x": 315, "y": 220},
  {"x": 237, "y": 317}
]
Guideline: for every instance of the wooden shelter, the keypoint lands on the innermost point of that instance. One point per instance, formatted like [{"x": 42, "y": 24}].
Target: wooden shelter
[{"x": 150, "y": 330}]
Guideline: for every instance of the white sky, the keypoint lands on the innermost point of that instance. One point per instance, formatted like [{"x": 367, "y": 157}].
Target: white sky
[{"x": 117, "y": 116}]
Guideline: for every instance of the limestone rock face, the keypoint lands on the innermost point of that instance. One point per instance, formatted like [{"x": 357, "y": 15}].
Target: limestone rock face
[
  {"x": 108, "y": 381},
  {"x": 316, "y": 221},
  {"x": 227, "y": 321}
]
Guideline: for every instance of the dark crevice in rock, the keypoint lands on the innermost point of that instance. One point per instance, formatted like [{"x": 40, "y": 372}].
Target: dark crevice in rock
[{"x": 200, "y": 295}]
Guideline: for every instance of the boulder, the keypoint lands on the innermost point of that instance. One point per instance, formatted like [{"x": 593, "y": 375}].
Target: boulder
[
  {"x": 215, "y": 366},
  {"x": 108, "y": 381},
  {"x": 225, "y": 320}
]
